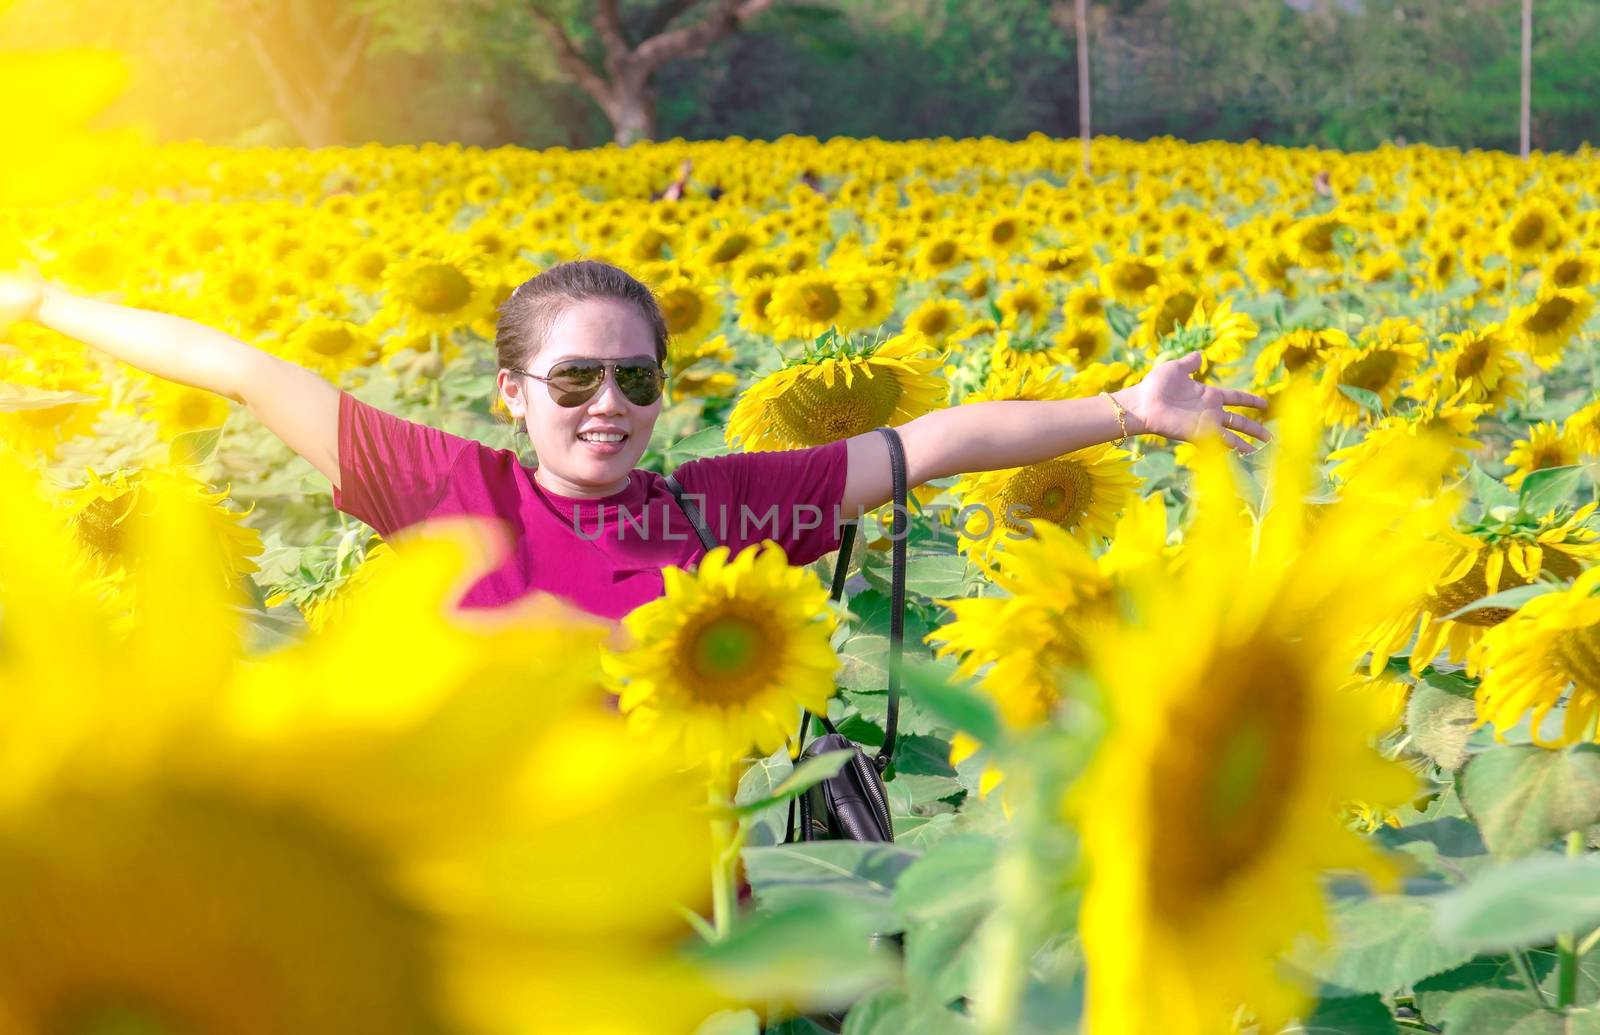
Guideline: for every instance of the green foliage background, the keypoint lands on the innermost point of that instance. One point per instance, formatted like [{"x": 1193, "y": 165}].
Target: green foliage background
[{"x": 1337, "y": 73}]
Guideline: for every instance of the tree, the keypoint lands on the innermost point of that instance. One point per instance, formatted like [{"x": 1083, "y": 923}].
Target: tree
[
  {"x": 624, "y": 83},
  {"x": 311, "y": 52}
]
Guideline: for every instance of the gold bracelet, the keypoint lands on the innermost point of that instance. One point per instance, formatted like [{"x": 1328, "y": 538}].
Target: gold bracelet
[{"x": 1122, "y": 417}]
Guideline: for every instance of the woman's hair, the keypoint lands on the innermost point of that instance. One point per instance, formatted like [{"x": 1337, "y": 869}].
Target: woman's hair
[{"x": 533, "y": 308}]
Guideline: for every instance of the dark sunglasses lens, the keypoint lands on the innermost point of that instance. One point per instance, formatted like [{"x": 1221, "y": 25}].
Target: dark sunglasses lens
[
  {"x": 572, "y": 384},
  {"x": 640, "y": 383}
]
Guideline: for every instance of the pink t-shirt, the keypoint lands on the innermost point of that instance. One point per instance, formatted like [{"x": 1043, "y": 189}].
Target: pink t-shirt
[{"x": 604, "y": 555}]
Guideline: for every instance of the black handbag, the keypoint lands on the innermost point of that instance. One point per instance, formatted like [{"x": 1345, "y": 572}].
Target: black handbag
[{"x": 852, "y": 805}]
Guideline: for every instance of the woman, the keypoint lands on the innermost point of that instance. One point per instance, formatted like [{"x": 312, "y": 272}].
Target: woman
[{"x": 580, "y": 347}]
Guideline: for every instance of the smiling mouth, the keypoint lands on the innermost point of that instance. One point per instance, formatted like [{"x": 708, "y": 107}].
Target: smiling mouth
[{"x": 601, "y": 437}]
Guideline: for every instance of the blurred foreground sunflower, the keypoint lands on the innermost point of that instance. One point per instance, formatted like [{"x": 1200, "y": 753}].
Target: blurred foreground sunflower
[
  {"x": 193, "y": 841},
  {"x": 1232, "y": 744}
]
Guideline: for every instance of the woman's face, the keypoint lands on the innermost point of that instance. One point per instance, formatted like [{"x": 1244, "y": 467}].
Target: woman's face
[{"x": 573, "y": 459}]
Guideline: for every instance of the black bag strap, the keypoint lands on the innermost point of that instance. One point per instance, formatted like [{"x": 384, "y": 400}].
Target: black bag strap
[
  {"x": 696, "y": 519},
  {"x": 899, "y": 530}
]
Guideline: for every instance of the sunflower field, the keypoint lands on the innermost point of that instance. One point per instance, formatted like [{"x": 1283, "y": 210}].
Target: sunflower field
[{"x": 1304, "y": 740}]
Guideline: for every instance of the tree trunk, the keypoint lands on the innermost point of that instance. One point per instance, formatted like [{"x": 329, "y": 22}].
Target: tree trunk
[
  {"x": 311, "y": 58},
  {"x": 623, "y": 84}
]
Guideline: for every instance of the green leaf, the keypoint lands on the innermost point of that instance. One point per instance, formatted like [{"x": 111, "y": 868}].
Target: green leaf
[
  {"x": 1494, "y": 971},
  {"x": 194, "y": 447},
  {"x": 815, "y": 952},
  {"x": 1440, "y": 723},
  {"x": 882, "y": 1013},
  {"x": 807, "y": 775},
  {"x": 1347, "y": 1015},
  {"x": 925, "y": 755},
  {"x": 958, "y": 707},
  {"x": 1491, "y": 492},
  {"x": 1523, "y": 797},
  {"x": 710, "y": 441},
  {"x": 1545, "y": 490},
  {"x": 1512, "y": 598},
  {"x": 1525, "y": 902},
  {"x": 1493, "y": 1011},
  {"x": 861, "y": 873},
  {"x": 954, "y": 875},
  {"x": 1367, "y": 400},
  {"x": 936, "y": 575},
  {"x": 1380, "y": 944}
]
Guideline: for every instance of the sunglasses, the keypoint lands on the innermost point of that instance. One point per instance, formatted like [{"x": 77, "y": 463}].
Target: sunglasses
[{"x": 576, "y": 381}]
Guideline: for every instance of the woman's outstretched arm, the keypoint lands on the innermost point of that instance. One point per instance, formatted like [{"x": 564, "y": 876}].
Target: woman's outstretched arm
[
  {"x": 297, "y": 405},
  {"x": 990, "y": 436}
]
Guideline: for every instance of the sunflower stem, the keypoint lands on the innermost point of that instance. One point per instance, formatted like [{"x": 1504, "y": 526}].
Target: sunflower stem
[
  {"x": 724, "y": 860},
  {"x": 1525, "y": 968},
  {"x": 1567, "y": 942}
]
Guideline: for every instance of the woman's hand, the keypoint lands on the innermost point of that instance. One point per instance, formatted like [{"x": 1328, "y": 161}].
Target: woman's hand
[
  {"x": 20, "y": 296},
  {"x": 1171, "y": 403}
]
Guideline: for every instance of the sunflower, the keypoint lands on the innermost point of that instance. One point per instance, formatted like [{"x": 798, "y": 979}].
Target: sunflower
[
  {"x": 806, "y": 304},
  {"x": 936, "y": 319},
  {"x": 1023, "y": 306},
  {"x": 1082, "y": 491},
  {"x": 838, "y": 391},
  {"x": 1532, "y": 231},
  {"x": 330, "y": 346},
  {"x": 1005, "y": 232},
  {"x": 877, "y": 287},
  {"x": 1316, "y": 242},
  {"x": 101, "y": 512},
  {"x": 691, "y": 309},
  {"x": 1544, "y": 447},
  {"x": 1582, "y": 429},
  {"x": 1169, "y": 306},
  {"x": 1297, "y": 351},
  {"x": 755, "y": 301},
  {"x": 1067, "y": 263},
  {"x": 1380, "y": 362},
  {"x": 364, "y": 266},
  {"x": 1546, "y": 324},
  {"x": 1231, "y": 744},
  {"x": 224, "y": 844},
  {"x": 1130, "y": 279},
  {"x": 1219, "y": 332},
  {"x": 1054, "y": 595},
  {"x": 1571, "y": 270},
  {"x": 1084, "y": 302},
  {"x": 1468, "y": 567},
  {"x": 48, "y": 403},
  {"x": 1083, "y": 342},
  {"x": 179, "y": 408},
  {"x": 1447, "y": 423},
  {"x": 936, "y": 254},
  {"x": 1547, "y": 650},
  {"x": 1480, "y": 360},
  {"x": 434, "y": 293},
  {"x": 725, "y": 661}
]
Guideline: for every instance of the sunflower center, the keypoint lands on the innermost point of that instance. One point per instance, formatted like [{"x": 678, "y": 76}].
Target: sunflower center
[
  {"x": 193, "y": 409},
  {"x": 100, "y": 524},
  {"x": 1472, "y": 360},
  {"x": 1577, "y": 654},
  {"x": 1474, "y": 585},
  {"x": 1221, "y": 792},
  {"x": 1567, "y": 273},
  {"x": 682, "y": 309},
  {"x": 1058, "y": 491},
  {"x": 731, "y": 656},
  {"x": 942, "y": 252},
  {"x": 820, "y": 301},
  {"x": 1527, "y": 231},
  {"x": 331, "y": 341},
  {"x": 243, "y": 289},
  {"x": 1551, "y": 315},
  {"x": 168, "y": 914},
  {"x": 1373, "y": 371},
  {"x": 1174, "y": 310},
  {"x": 815, "y": 414},
  {"x": 730, "y": 248},
  {"x": 1003, "y": 231},
  {"x": 439, "y": 287},
  {"x": 371, "y": 264},
  {"x": 1136, "y": 276},
  {"x": 934, "y": 322}
]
